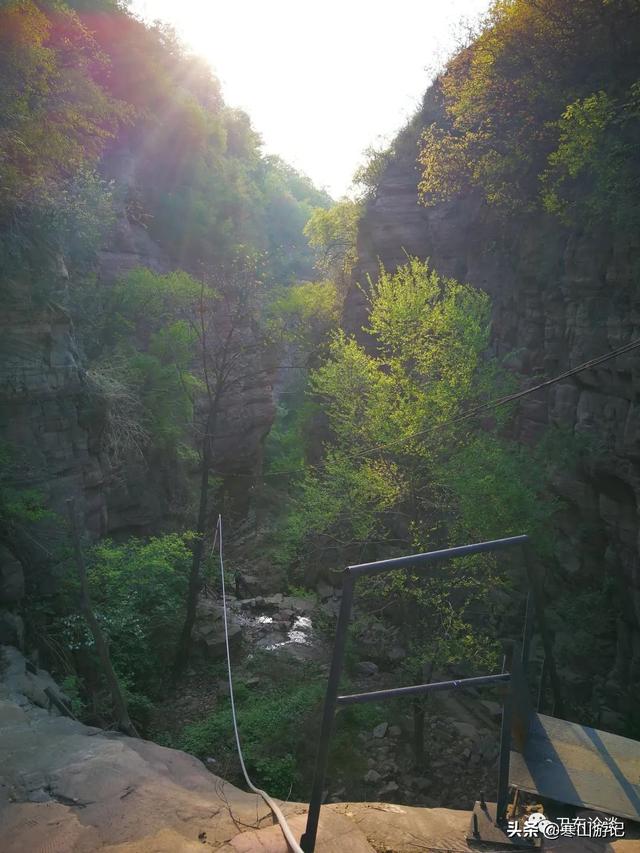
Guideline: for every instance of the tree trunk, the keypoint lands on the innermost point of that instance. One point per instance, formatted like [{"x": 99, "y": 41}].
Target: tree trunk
[
  {"x": 424, "y": 675},
  {"x": 119, "y": 701},
  {"x": 183, "y": 651},
  {"x": 418, "y": 731}
]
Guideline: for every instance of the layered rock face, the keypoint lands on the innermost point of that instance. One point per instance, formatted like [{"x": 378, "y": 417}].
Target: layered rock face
[
  {"x": 142, "y": 495},
  {"x": 69, "y": 788},
  {"x": 560, "y": 297},
  {"x": 45, "y": 406},
  {"x": 52, "y": 420}
]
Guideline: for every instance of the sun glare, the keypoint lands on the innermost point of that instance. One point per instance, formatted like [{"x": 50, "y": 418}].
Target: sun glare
[{"x": 321, "y": 82}]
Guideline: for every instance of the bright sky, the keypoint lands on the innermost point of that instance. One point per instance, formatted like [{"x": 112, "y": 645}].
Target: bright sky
[{"x": 321, "y": 81}]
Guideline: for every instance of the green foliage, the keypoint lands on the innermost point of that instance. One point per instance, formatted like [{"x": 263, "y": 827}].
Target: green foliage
[
  {"x": 18, "y": 505},
  {"x": 138, "y": 592},
  {"x": 82, "y": 92},
  {"x": 430, "y": 334},
  {"x": 301, "y": 592},
  {"x": 403, "y": 469},
  {"x": 285, "y": 444},
  {"x": 584, "y": 625},
  {"x": 72, "y": 688},
  {"x": 49, "y": 56},
  {"x": 497, "y": 488},
  {"x": 143, "y": 346},
  {"x": 290, "y": 199},
  {"x": 355, "y": 493},
  {"x": 541, "y": 108},
  {"x": 304, "y": 313},
  {"x": 277, "y": 723},
  {"x": 272, "y": 731},
  {"x": 51, "y": 201},
  {"x": 204, "y": 189},
  {"x": 367, "y": 176},
  {"x": 593, "y": 172},
  {"x": 332, "y": 234}
]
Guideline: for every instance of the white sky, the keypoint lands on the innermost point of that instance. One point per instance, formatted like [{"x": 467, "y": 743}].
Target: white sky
[{"x": 321, "y": 81}]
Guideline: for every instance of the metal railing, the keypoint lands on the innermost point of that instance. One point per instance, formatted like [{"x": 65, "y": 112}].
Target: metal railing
[{"x": 332, "y": 699}]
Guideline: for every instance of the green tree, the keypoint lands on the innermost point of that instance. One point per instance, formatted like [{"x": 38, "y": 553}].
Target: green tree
[
  {"x": 138, "y": 591},
  {"x": 142, "y": 346},
  {"x": 232, "y": 349},
  {"x": 58, "y": 118},
  {"x": 332, "y": 234},
  {"x": 543, "y": 93},
  {"x": 404, "y": 468}
]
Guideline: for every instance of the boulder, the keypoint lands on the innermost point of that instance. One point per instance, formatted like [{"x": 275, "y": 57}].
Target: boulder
[
  {"x": 21, "y": 683},
  {"x": 11, "y": 578},
  {"x": 208, "y": 630},
  {"x": 396, "y": 653},
  {"x": 366, "y": 668},
  {"x": 11, "y": 629},
  {"x": 380, "y": 730},
  {"x": 389, "y": 788},
  {"x": 68, "y": 787},
  {"x": 466, "y": 730},
  {"x": 298, "y": 604}
]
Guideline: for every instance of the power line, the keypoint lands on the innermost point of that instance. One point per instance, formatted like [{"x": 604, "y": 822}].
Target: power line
[
  {"x": 509, "y": 398},
  {"x": 471, "y": 413}
]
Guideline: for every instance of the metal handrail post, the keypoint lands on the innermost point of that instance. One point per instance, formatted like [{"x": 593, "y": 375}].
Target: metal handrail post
[
  {"x": 527, "y": 631},
  {"x": 505, "y": 752},
  {"x": 308, "y": 840},
  {"x": 546, "y": 635},
  {"x": 351, "y": 573},
  {"x": 542, "y": 685}
]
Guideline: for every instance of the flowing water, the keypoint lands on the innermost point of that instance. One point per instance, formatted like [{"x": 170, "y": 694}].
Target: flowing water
[{"x": 283, "y": 629}]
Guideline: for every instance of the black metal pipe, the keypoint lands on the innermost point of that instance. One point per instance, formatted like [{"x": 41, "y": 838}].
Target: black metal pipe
[
  {"x": 433, "y": 556},
  {"x": 527, "y": 631},
  {"x": 434, "y": 686},
  {"x": 535, "y": 584},
  {"x": 542, "y": 685},
  {"x": 505, "y": 753},
  {"x": 308, "y": 840}
]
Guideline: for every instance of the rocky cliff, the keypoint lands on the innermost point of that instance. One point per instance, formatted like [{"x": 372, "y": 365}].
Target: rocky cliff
[
  {"x": 52, "y": 420},
  {"x": 560, "y": 297},
  {"x": 72, "y": 788},
  {"x": 142, "y": 496},
  {"x": 51, "y": 423}
]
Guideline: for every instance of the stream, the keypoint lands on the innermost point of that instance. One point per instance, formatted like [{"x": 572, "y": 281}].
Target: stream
[{"x": 282, "y": 624}]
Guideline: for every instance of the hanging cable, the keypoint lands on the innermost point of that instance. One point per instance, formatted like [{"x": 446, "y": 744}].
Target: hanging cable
[
  {"x": 464, "y": 416},
  {"x": 282, "y": 821}
]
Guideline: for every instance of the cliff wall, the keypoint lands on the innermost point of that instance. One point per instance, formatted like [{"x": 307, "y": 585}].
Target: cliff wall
[
  {"x": 52, "y": 420},
  {"x": 560, "y": 297},
  {"x": 68, "y": 787}
]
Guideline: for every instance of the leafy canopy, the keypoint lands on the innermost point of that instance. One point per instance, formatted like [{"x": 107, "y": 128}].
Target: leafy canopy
[
  {"x": 402, "y": 470},
  {"x": 541, "y": 108}
]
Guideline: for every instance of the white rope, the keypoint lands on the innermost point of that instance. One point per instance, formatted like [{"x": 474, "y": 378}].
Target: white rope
[{"x": 284, "y": 826}]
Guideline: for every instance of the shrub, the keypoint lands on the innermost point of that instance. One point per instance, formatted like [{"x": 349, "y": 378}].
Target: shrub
[{"x": 271, "y": 730}]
